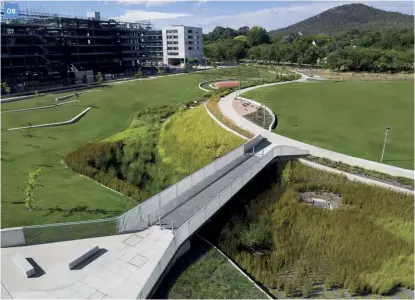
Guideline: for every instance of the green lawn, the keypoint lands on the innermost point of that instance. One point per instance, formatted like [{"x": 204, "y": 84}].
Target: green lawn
[
  {"x": 347, "y": 117},
  {"x": 65, "y": 196}
]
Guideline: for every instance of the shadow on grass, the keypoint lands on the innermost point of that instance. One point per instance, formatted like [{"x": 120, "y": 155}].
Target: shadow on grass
[
  {"x": 198, "y": 249},
  {"x": 80, "y": 209}
]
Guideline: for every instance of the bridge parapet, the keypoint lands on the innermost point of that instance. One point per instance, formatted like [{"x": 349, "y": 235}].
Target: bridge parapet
[
  {"x": 138, "y": 218},
  {"x": 188, "y": 228}
]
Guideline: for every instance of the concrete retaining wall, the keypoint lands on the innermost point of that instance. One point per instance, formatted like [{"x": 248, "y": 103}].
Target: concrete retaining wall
[
  {"x": 212, "y": 81},
  {"x": 223, "y": 125},
  {"x": 12, "y": 237},
  {"x": 64, "y": 97},
  {"x": 71, "y": 121}
]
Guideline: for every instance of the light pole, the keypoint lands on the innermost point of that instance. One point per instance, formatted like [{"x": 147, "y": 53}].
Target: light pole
[{"x": 384, "y": 142}]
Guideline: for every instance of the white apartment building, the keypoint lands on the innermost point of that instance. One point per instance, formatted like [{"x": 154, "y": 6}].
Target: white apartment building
[{"x": 181, "y": 43}]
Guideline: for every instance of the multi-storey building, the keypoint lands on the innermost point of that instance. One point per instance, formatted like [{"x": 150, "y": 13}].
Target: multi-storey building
[
  {"x": 181, "y": 43},
  {"x": 42, "y": 49},
  {"x": 39, "y": 47}
]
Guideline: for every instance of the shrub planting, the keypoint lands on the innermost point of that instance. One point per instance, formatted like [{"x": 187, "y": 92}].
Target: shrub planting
[
  {"x": 141, "y": 167},
  {"x": 365, "y": 245},
  {"x": 395, "y": 180}
]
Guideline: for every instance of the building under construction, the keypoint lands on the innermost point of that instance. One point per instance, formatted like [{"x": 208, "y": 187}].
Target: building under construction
[{"x": 43, "y": 49}]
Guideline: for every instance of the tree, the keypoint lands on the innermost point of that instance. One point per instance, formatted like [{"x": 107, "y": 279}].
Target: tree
[
  {"x": 255, "y": 53},
  {"x": 267, "y": 53},
  {"x": 186, "y": 68},
  {"x": 31, "y": 184},
  {"x": 160, "y": 71},
  {"x": 243, "y": 30},
  {"x": 241, "y": 38},
  {"x": 257, "y": 36},
  {"x": 100, "y": 78},
  {"x": 6, "y": 87},
  {"x": 138, "y": 75},
  {"x": 286, "y": 174}
]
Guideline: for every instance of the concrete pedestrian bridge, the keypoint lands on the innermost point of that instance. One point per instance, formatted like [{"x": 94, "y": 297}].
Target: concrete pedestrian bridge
[{"x": 125, "y": 257}]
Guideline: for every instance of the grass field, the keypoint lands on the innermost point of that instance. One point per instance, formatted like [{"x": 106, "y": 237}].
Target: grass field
[
  {"x": 347, "y": 117},
  {"x": 64, "y": 195},
  {"x": 203, "y": 273}
]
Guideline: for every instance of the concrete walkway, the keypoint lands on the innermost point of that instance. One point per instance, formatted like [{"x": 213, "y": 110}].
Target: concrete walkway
[
  {"x": 119, "y": 273},
  {"x": 227, "y": 109}
]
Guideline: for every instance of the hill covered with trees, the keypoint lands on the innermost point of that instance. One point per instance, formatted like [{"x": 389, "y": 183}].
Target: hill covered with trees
[
  {"x": 385, "y": 50},
  {"x": 347, "y": 17}
]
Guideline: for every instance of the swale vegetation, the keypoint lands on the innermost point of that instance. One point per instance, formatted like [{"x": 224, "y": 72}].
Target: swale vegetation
[
  {"x": 144, "y": 159},
  {"x": 395, "y": 180},
  {"x": 365, "y": 245}
]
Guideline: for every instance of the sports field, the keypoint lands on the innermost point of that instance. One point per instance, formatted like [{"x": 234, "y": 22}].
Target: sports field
[
  {"x": 63, "y": 195},
  {"x": 347, "y": 117}
]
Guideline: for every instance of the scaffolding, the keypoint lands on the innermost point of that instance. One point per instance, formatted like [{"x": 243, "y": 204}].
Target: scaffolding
[{"x": 42, "y": 47}]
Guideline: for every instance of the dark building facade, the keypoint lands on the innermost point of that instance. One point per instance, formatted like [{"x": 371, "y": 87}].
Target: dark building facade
[{"x": 38, "y": 48}]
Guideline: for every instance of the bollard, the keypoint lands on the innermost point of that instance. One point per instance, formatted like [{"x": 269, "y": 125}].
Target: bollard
[
  {"x": 172, "y": 226},
  {"x": 148, "y": 215}
]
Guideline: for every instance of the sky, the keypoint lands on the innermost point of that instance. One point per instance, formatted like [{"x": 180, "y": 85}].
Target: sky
[{"x": 205, "y": 14}]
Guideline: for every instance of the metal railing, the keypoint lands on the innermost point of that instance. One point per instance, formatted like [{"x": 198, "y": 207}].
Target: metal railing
[
  {"x": 198, "y": 219},
  {"x": 136, "y": 219}
]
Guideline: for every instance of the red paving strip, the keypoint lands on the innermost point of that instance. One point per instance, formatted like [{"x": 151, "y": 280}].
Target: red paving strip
[{"x": 225, "y": 84}]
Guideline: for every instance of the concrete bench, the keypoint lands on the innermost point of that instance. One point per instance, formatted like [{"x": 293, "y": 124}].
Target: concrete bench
[
  {"x": 82, "y": 256},
  {"x": 24, "y": 265}
]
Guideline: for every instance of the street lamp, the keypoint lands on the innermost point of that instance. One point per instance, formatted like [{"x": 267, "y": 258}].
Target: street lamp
[
  {"x": 384, "y": 142},
  {"x": 264, "y": 111}
]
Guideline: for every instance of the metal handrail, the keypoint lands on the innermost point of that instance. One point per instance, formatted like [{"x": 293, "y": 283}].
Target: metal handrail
[
  {"x": 179, "y": 243},
  {"x": 142, "y": 203}
]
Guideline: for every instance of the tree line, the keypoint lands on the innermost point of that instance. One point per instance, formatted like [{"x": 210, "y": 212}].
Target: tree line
[{"x": 353, "y": 50}]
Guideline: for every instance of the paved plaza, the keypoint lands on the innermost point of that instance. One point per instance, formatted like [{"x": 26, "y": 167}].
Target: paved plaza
[{"x": 119, "y": 271}]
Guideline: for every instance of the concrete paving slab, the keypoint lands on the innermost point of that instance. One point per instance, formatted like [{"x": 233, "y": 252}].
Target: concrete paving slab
[
  {"x": 97, "y": 295},
  {"x": 105, "y": 277}
]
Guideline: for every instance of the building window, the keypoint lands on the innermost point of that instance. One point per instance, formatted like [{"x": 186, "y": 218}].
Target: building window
[
  {"x": 190, "y": 48},
  {"x": 197, "y": 48},
  {"x": 173, "y": 53},
  {"x": 189, "y": 36},
  {"x": 190, "y": 31}
]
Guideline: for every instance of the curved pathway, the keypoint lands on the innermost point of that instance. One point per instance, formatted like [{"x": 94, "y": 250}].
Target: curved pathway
[{"x": 227, "y": 109}]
